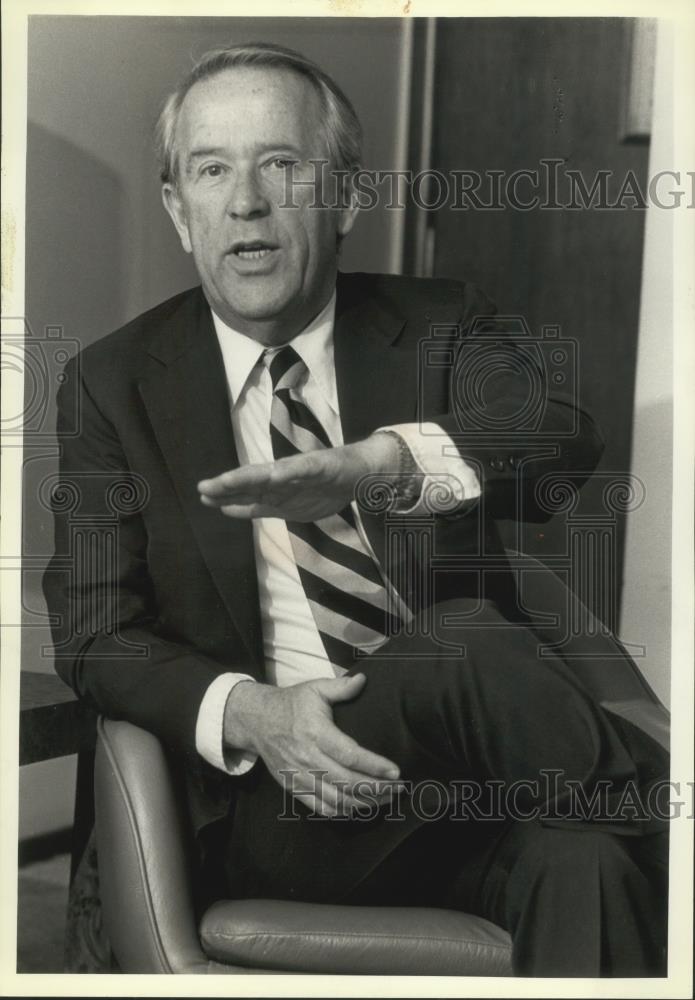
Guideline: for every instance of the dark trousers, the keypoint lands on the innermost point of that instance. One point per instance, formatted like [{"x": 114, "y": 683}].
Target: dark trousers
[{"x": 501, "y": 751}]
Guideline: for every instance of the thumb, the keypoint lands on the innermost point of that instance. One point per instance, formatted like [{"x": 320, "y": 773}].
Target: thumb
[{"x": 342, "y": 688}]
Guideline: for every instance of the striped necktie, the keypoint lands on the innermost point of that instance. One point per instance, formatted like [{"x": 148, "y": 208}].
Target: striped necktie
[{"x": 352, "y": 607}]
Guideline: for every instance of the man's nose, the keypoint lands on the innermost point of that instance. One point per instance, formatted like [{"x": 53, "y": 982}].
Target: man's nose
[{"x": 246, "y": 199}]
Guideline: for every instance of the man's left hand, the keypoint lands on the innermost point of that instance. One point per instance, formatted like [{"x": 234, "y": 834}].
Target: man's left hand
[{"x": 304, "y": 487}]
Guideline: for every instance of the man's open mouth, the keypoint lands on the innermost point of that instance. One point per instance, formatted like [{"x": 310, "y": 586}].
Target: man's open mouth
[{"x": 252, "y": 250}]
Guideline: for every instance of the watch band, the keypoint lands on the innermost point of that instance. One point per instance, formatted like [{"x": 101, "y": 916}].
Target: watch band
[{"x": 409, "y": 478}]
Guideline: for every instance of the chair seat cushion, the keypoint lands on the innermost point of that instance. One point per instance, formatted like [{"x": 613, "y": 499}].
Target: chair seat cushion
[{"x": 315, "y": 937}]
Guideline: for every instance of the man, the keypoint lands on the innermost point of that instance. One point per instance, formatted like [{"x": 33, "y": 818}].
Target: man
[{"x": 251, "y": 616}]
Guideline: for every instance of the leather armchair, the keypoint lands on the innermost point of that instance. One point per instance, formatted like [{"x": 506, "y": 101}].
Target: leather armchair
[{"x": 146, "y": 872}]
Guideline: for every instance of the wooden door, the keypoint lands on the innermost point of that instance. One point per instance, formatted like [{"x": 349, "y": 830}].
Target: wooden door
[{"x": 509, "y": 94}]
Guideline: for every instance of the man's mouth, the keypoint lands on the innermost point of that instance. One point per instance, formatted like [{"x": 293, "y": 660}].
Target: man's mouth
[{"x": 252, "y": 249}]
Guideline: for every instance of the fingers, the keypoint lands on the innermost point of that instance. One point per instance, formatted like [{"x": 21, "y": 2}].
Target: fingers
[
  {"x": 286, "y": 512},
  {"x": 357, "y": 759},
  {"x": 245, "y": 483},
  {"x": 326, "y": 794},
  {"x": 296, "y": 505},
  {"x": 248, "y": 477},
  {"x": 344, "y": 807},
  {"x": 282, "y": 489},
  {"x": 335, "y": 689},
  {"x": 333, "y": 774},
  {"x": 357, "y": 793},
  {"x": 245, "y": 512},
  {"x": 342, "y": 748}
]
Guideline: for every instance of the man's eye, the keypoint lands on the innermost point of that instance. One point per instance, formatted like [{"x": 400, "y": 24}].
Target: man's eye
[
  {"x": 212, "y": 170},
  {"x": 282, "y": 163}
]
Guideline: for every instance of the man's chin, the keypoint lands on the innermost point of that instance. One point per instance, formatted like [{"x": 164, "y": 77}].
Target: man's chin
[{"x": 262, "y": 309}]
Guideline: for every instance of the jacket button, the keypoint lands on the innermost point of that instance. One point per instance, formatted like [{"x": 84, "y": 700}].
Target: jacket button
[
  {"x": 513, "y": 461},
  {"x": 497, "y": 464}
]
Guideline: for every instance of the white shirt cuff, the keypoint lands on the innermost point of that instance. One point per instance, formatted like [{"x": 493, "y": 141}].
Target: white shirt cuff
[
  {"x": 458, "y": 482},
  {"x": 209, "y": 728}
]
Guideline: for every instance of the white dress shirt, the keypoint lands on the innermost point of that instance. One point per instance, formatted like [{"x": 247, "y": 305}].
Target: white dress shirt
[{"x": 292, "y": 646}]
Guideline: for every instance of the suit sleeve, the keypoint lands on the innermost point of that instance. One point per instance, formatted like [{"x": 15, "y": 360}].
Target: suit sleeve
[
  {"x": 98, "y": 590},
  {"x": 504, "y": 419}
]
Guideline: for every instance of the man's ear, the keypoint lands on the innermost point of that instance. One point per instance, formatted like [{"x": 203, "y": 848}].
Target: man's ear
[
  {"x": 350, "y": 207},
  {"x": 174, "y": 206}
]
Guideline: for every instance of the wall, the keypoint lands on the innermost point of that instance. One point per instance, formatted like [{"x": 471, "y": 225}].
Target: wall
[
  {"x": 646, "y": 610},
  {"x": 100, "y": 248}
]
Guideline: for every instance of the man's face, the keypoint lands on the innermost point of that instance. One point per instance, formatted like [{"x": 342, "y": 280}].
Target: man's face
[{"x": 266, "y": 269}]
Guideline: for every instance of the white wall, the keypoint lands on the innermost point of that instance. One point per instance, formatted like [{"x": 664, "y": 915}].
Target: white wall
[{"x": 646, "y": 603}]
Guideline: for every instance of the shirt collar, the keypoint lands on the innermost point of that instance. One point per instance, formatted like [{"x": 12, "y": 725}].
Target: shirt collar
[{"x": 314, "y": 345}]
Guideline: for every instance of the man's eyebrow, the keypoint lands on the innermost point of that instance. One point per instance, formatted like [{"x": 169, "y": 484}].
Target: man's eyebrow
[
  {"x": 276, "y": 147},
  {"x": 205, "y": 151}
]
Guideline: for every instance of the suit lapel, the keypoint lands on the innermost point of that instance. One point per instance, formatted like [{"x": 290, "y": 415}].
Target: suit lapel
[
  {"x": 372, "y": 375},
  {"x": 376, "y": 380},
  {"x": 187, "y": 403}
]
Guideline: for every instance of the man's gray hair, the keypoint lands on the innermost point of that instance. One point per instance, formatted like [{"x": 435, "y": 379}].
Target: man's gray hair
[{"x": 341, "y": 124}]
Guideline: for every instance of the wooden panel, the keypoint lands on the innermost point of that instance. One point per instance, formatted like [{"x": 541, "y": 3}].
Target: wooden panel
[
  {"x": 510, "y": 92},
  {"x": 52, "y": 722}
]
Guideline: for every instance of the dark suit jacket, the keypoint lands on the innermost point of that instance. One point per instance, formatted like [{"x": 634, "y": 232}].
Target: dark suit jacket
[{"x": 146, "y": 617}]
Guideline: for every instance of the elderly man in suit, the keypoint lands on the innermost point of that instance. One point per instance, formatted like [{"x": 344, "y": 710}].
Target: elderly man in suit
[{"x": 250, "y": 615}]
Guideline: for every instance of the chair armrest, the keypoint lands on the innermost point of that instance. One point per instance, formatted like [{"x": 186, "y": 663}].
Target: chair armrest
[
  {"x": 369, "y": 940},
  {"x": 649, "y": 716},
  {"x": 144, "y": 873}
]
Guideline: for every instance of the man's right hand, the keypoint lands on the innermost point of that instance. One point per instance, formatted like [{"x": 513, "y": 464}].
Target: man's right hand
[{"x": 292, "y": 730}]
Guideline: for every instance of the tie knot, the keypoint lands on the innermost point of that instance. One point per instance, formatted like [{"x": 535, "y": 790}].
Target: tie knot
[{"x": 285, "y": 366}]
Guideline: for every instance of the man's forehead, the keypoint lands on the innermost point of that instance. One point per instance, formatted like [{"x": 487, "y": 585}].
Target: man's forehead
[
  {"x": 245, "y": 89},
  {"x": 244, "y": 109},
  {"x": 248, "y": 110}
]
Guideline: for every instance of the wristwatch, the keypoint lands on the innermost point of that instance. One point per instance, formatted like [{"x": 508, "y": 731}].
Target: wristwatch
[{"x": 408, "y": 480}]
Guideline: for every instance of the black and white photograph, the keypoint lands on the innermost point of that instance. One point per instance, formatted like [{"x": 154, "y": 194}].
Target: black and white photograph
[{"x": 347, "y": 435}]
